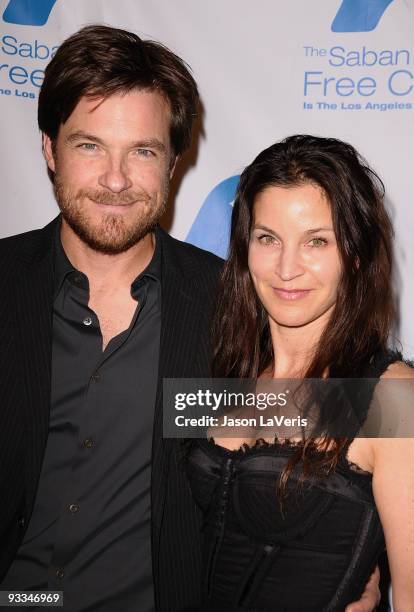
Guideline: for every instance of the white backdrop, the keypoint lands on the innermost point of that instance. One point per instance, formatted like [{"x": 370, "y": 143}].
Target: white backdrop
[{"x": 261, "y": 67}]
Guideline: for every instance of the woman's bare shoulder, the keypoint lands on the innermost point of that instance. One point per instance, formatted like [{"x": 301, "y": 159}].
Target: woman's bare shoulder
[
  {"x": 399, "y": 369},
  {"x": 391, "y": 413}
]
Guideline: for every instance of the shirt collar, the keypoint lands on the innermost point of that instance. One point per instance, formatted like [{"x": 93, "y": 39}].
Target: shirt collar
[
  {"x": 63, "y": 266},
  {"x": 154, "y": 268},
  {"x": 65, "y": 270}
]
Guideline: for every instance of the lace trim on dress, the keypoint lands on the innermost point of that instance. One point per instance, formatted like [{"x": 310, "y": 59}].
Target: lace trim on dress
[{"x": 284, "y": 448}]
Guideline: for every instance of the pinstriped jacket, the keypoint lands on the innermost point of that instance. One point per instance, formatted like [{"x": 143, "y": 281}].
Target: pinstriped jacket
[{"x": 189, "y": 281}]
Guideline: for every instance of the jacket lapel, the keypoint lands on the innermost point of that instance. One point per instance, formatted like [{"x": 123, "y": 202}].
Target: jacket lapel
[
  {"x": 181, "y": 325},
  {"x": 33, "y": 301}
]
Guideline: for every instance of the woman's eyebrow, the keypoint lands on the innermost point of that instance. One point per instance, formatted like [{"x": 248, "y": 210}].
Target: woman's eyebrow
[
  {"x": 319, "y": 229},
  {"x": 265, "y": 229}
]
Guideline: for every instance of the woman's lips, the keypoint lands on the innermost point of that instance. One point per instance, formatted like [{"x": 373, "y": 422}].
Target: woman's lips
[{"x": 291, "y": 294}]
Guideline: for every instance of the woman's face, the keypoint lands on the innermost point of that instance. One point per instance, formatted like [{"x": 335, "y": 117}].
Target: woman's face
[{"x": 293, "y": 255}]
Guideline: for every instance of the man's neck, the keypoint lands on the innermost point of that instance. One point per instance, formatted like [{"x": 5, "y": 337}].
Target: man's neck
[{"x": 107, "y": 272}]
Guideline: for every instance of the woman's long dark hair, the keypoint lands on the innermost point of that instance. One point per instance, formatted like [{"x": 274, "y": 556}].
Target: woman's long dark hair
[{"x": 362, "y": 316}]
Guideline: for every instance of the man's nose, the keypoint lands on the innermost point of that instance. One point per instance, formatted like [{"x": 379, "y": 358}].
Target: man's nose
[
  {"x": 115, "y": 175},
  {"x": 289, "y": 263}
]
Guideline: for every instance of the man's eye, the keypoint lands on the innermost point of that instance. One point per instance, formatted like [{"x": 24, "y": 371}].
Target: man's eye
[
  {"x": 87, "y": 146},
  {"x": 145, "y": 153},
  {"x": 318, "y": 242}
]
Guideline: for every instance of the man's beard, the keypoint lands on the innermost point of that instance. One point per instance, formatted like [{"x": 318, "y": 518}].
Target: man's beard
[{"x": 113, "y": 234}]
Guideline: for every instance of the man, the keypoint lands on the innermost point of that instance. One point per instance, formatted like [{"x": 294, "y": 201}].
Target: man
[{"x": 98, "y": 307}]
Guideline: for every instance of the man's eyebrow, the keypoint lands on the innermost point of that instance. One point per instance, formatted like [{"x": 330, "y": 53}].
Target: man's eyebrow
[
  {"x": 81, "y": 135},
  {"x": 149, "y": 143},
  {"x": 146, "y": 143}
]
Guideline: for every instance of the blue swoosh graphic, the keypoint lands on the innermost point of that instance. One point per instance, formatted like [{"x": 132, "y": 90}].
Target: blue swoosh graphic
[
  {"x": 28, "y": 12},
  {"x": 211, "y": 228},
  {"x": 359, "y": 15}
]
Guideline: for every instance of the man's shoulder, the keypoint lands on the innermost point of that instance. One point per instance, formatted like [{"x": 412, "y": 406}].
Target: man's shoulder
[
  {"x": 19, "y": 240},
  {"x": 197, "y": 254},
  {"x": 190, "y": 258},
  {"x": 26, "y": 244}
]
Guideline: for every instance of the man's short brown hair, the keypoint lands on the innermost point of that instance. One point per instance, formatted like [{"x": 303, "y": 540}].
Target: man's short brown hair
[{"x": 99, "y": 61}]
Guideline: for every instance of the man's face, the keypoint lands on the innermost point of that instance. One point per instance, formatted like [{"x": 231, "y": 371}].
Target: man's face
[{"x": 112, "y": 164}]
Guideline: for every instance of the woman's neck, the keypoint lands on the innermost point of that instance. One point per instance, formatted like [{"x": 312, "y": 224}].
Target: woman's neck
[{"x": 294, "y": 347}]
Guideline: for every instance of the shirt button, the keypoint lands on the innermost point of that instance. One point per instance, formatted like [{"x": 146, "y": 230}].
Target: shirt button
[
  {"x": 95, "y": 376},
  {"x": 60, "y": 573},
  {"x": 73, "y": 508},
  {"x": 88, "y": 443},
  {"x": 21, "y": 521},
  {"x": 87, "y": 321}
]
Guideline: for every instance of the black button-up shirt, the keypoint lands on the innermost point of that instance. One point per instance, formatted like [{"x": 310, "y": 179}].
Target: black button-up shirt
[{"x": 89, "y": 534}]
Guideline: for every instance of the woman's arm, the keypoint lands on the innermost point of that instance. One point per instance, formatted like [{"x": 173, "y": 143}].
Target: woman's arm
[
  {"x": 393, "y": 486},
  {"x": 371, "y": 596}
]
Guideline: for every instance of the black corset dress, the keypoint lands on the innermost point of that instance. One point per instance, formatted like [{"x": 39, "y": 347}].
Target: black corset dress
[{"x": 314, "y": 553}]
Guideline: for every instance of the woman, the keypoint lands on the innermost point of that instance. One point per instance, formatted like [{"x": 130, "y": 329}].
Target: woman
[{"x": 306, "y": 293}]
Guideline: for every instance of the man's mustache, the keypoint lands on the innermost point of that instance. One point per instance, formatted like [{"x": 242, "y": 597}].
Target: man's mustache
[{"x": 116, "y": 199}]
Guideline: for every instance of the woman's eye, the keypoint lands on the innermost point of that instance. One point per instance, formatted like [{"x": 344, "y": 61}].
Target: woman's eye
[
  {"x": 318, "y": 242},
  {"x": 267, "y": 239}
]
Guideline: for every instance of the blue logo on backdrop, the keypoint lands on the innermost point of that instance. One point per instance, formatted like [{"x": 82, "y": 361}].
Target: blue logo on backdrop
[
  {"x": 359, "y": 15},
  {"x": 211, "y": 228},
  {"x": 28, "y": 12},
  {"x": 339, "y": 77},
  {"x": 353, "y": 15}
]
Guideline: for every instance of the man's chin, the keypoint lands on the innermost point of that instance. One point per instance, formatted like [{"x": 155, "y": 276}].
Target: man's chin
[{"x": 111, "y": 241}]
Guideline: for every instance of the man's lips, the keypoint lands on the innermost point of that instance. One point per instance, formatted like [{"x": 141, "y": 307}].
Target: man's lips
[
  {"x": 291, "y": 294},
  {"x": 114, "y": 204}
]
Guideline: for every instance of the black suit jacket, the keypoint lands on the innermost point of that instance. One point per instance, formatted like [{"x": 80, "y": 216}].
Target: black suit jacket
[{"x": 189, "y": 281}]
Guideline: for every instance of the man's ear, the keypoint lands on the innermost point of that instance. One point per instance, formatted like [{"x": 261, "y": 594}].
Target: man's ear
[
  {"x": 48, "y": 152},
  {"x": 173, "y": 165}
]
